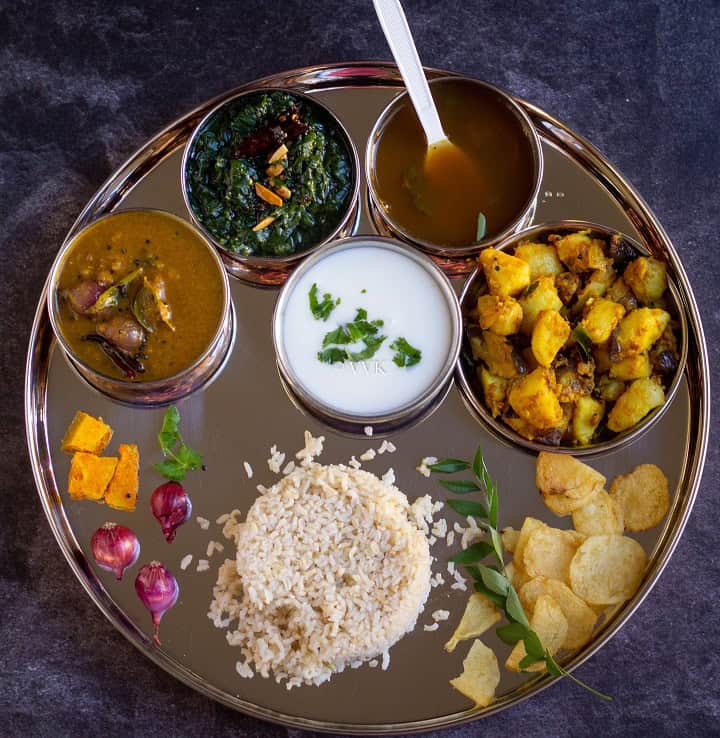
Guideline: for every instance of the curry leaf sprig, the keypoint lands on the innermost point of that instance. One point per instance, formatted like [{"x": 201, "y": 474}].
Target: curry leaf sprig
[
  {"x": 492, "y": 579},
  {"x": 180, "y": 458}
]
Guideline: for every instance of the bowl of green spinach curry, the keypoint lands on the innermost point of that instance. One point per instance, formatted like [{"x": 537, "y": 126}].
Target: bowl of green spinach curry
[{"x": 268, "y": 175}]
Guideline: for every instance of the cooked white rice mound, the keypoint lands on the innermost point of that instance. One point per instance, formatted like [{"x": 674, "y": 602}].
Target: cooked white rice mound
[{"x": 332, "y": 569}]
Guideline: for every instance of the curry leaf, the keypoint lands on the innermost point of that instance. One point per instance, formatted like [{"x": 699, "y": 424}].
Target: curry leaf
[
  {"x": 468, "y": 507},
  {"x": 511, "y": 633},
  {"x": 460, "y": 486},
  {"x": 494, "y": 580},
  {"x": 476, "y": 552},
  {"x": 449, "y": 466}
]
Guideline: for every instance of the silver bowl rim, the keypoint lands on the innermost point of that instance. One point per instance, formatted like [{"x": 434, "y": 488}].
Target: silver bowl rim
[
  {"x": 272, "y": 262},
  {"x": 506, "y": 434},
  {"x": 313, "y": 403},
  {"x": 471, "y": 249},
  {"x": 115, "y": 383}
]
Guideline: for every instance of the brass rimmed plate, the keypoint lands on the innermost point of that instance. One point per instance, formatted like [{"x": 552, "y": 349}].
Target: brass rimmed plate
[{"x": 246, "y": 410}]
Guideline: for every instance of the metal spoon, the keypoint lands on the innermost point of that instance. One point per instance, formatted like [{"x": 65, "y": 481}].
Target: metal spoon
[{"x": 397, "y": 32}]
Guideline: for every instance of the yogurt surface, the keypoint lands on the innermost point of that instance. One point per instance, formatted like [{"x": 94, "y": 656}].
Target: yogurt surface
[{"x": 391, "y": 287}]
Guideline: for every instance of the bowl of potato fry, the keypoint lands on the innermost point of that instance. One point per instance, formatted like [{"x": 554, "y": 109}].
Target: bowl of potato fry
[{"x": 575, "y": 338}]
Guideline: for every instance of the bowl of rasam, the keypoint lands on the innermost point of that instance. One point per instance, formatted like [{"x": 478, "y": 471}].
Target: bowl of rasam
[{"x": 443, "y": 214}]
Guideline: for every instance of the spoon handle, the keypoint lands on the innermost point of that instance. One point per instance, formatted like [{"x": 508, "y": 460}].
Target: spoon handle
[{"x": 397, "y": 32}]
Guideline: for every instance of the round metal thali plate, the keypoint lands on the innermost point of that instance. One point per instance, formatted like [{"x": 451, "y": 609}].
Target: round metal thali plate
[{"x": 246, "y": 410}]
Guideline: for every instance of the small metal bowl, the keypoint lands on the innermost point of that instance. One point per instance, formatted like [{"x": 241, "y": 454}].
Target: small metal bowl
[
  {"x": 271, "y": 271},
  {"x": 355, "y": 423},
  {"x": 466, "y": 375},
  {"x": 453, "y": 259},
  {"x": 158, "y": 392}
]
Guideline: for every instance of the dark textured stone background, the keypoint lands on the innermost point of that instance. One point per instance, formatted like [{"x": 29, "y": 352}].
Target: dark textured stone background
[{"x": 83, "y": 84}]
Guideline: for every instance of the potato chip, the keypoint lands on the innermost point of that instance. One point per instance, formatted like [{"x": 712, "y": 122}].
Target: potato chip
[
  {"x": 529, "y": 525},
  {"x": 480, "y": 614},
  {"x": 551, "y": 626},
  {"x": 601, "y": 516},
  {"x": 565, "y": 483},
  {"x": 642, "y": 496},
  {"x": 480, "y": 675},
  {"x": 607, "y": 569},
  {"x": 549, "y": 551},
  {"x": 509, "y": 538},
  {"x": 580, "y": 617},
  {"x": 516, "y": 575}
]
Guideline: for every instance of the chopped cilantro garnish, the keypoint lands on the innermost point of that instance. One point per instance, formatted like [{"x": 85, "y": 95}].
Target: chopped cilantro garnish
[
  {"x": 360, "y": 329},
  {"x": 321, "y": 309},
  {"x": 406, "y": 355}
]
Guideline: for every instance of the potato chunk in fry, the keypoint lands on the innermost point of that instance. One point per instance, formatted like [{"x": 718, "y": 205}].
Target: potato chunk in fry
[
  {"x": 642, "y": 396},
  {"x": 542, "y": 295},
  {"x": 566, "y": 484},
  {"x": 534, "y": 400},
  {"x": 647, "y": 278},
  {"x": 480, "y": 615},
  {"x": 639, "y": 330},
  {"x": 541, "y": 257},
  {"x": 580, "y": 618},
  {"x": 642, "y": 495},
  {"x": 636, "y": 366},
  {"x": 607, "y": 569},
  {"x": 480, "y": 675},
  {"x": 549, "y": 335},
  {"x": 586, "y": 418},
  {"x": 494, "y": 390},
  {"x": 505, "y": 274},
  {"x": 499, "y": 313},
  {"x": 582, "y": 253},
  {"x": 550, "y": 624},
  {"x": 601, "y": 318}
]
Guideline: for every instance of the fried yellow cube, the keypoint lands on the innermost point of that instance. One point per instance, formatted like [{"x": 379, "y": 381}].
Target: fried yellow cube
[
  {"x": 586, "y": 418},
  {"x": 497, "y": 353},
  {"x": 549, "y": 334},
  {"x": 505, "y": 274},
  {"x": 631, "y": 367},
  {"x": 542, "y": 295},
  {"x": 639, "y": 330},
  {"x": 542, "y": 258},
  {"x": 123, "y": 488},
  {"x": 90, "y": 475},
  {"x": 582, "y": 253},
  {"x": 499, "y": 313},
  {"x": 534, "y": 400},
  {"x": 601, "y": 318},
  {"x": 494, "y": 391},
  {"x": 647, "y": 278},
  {"x": 642, "y": 396},
  {"x": 86, "y": 434}
]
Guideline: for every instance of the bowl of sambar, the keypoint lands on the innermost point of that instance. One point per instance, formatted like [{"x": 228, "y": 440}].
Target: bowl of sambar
[
  {"x": 442, "y": 214},
  {"x": 140, "y": 303}
]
